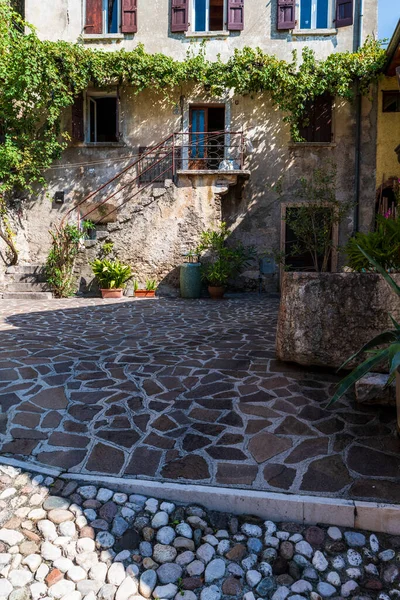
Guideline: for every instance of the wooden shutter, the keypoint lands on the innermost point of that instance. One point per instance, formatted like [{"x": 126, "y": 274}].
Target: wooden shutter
[
  {"x": 94, "y": 16},
  {"x": 344, "y": 13},
  {"x": 235, "y": 15},
  {"x": 319, "y": 117},
  {"x": 286, "y": 14},
  {"x": 179, "y": 15},
  {"x": 78, "y": 129},
  {"x": 129, "y": 16},
  {"x": 323, "y": 118}
]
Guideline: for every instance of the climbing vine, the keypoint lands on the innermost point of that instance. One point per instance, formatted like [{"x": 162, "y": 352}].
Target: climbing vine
[{"x": 39, "y": 80}]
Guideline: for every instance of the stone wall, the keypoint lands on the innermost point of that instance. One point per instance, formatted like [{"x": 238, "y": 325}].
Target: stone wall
[{"x": 324, "y": 318}]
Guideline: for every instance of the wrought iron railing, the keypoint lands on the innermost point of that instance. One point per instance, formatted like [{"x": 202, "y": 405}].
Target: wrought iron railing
[{"x": 183, "y": 151}]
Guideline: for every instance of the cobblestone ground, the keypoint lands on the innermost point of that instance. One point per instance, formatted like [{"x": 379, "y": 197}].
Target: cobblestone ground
[
  {"x": 189, "y": 391},
  {"x": 84, "y": 542}
]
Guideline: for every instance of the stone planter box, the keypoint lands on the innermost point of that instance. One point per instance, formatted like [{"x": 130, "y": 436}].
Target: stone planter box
[{"x": 326, "y": 317}]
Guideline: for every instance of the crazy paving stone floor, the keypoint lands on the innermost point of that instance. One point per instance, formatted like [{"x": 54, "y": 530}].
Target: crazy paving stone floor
[{"x": 183, "y": 391}]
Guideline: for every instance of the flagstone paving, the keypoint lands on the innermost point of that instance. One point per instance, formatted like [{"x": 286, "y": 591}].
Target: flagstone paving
[{"x": 183, "y": 391}]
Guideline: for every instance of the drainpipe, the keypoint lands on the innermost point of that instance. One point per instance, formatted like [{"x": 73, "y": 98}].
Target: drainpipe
[{"x": 357, "y": 42}]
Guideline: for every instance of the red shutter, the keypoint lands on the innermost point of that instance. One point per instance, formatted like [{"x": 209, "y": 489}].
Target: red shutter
[
  {"x": 179, "y": 15},
  {"x": 286, "y": 14},
  {"x": 344, "y": 13},
  {"x": 129, "y": 16},
  {"x": 78, "y": 130},
  {"x": 94, "y": 16},
  {"x": 235, "y": 15}
]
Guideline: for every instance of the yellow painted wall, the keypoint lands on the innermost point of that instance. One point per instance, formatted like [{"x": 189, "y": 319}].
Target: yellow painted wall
[{"x": 387, "y": 164}]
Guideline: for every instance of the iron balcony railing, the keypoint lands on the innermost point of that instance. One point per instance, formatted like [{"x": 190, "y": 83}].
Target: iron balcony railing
[{"x": 183, "y": 151}]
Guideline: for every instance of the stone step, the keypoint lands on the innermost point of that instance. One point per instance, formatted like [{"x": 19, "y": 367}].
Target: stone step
[
  {"x": 27, "y": 295},
  {"x": 36, "y": 286},
  {"x": 25, "y": 269},
  {"x": 39, "y": 277}
]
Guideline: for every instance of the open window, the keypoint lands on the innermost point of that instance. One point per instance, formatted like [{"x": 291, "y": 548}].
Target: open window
[
  {"x": 317, "y": 122},
  {"x": 322, "y": 230},
  {"x": 314, "y": 14},
  {"x": 110, "y": 17},
  {"x": 207, "y": 137},
  {"x": 209, "y": 15},
  {"x": 391, "y": 101},
  {"x": 102, "y": 121}
]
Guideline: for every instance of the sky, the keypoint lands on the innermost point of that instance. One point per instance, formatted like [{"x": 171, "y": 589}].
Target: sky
[{"x": 389, "y": 14}]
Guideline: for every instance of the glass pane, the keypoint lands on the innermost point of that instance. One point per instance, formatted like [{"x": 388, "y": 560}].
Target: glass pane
[
  {"x": 112, "y": 16},
  {"x": 200, "y": 12},
  {"x": 391, "y": 102},
  {"x": 198, "y": 138},
  {"x": 305, "y": 14},
  {"x": 322, "y": 14}
]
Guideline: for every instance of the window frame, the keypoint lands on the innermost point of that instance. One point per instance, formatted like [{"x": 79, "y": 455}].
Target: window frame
[
  {"x": 387, "y": 93},
  {"x": 331, "y": 142},
  {"x": 105, "y": 18},
  {"x": 331, "y": 16},
  {"x": 207, "y": 31},
  {"x": 104, "y": 13},
  {"x": 90, "y": 97}
]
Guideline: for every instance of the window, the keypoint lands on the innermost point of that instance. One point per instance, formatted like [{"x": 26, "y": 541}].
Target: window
[
  {"x": 391, "y": 102},
  {"x": 317, "y": 126},
  {"x": 110, "y": 17},
  {"x": 102, "y": 122},
  {"x": 209, "y": 15},
  {"x": 314, "y": 14}
]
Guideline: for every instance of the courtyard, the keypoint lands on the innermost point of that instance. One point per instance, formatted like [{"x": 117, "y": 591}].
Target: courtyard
[{"x": 183, "y": 391}]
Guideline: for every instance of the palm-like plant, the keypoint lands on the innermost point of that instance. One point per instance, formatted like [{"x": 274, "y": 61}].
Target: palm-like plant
[{"x": 384, "y": 347}]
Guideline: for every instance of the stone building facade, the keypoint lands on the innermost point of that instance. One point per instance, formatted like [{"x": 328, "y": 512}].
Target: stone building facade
[{"x": 112, "y": 128}]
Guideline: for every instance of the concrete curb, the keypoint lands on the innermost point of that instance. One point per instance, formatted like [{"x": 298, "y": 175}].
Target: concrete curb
[{"x": 309, "y": 510}]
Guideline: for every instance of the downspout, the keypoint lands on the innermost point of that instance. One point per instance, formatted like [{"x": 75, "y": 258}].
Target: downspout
[{"x": 357, "y": 42}]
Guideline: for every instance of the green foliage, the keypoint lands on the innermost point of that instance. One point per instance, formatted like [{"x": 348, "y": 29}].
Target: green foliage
[
  {"x": 39, "y": 80},
  {"x": 382, "y": 245},
  {"x": 107, "y": 249},
  {"x": 151, "y": 285},
  {"x": 222, "y": 262},
  {"x": 314, "y": 219},
  {"x": 111, "y": 274},
  {"x": 61, "y": 259},
  {"x": 384, "y": 347}
]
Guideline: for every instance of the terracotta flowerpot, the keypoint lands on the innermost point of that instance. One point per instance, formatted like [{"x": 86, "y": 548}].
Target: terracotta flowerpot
[
  {"x": 112, "y": 293},
  {"x": 216, "y": 292},
  {"x": 145, "y": 293}
]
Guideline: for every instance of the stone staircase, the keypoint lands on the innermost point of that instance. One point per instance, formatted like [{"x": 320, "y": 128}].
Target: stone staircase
[{"x": 25, "y": 282}]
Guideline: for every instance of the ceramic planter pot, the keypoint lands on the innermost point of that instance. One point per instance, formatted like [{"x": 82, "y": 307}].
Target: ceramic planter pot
[
  {"x": 216, "y": 292},
  {"x": 113, "y": 293},
  {"x": 145, "y": 293}
]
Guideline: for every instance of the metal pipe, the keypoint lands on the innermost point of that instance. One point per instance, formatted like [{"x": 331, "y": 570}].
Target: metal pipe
[{"x": 357, "y": 42}]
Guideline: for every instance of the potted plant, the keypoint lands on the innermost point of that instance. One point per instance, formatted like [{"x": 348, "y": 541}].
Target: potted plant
[
  {"x": 112, "y": 276},
  {"x": 221, "y": 262},
  {"x": 149, "y": 290}
]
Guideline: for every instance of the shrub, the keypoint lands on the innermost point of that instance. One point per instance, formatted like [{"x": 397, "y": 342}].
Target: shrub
[{"x": 382, "y": 245}]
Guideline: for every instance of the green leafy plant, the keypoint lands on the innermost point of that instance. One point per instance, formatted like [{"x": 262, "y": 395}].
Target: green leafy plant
[
  {"x": 40, "y": 79},
  {"x": 111, "y": 274},
  {"x": 151, "y": 285},
  {"x": 107, "y": 249},
  {"x": 221, "y": 262},
  {"x": 312, "y": 221},
  {"x": 384, "y": 347},
  {"x": 61, "y": 259},
  {"x": 381, "y": 245}
]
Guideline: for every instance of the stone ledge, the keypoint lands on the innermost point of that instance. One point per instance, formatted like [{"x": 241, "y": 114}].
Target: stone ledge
[{"x": 308, "y": 510}]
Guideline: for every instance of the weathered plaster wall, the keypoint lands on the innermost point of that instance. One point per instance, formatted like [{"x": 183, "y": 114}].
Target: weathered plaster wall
[
  {"x": 388, "y": 138},
  {"x": 155, "y": 230},
  {"x": 252, "y": 209},
  {"x": 64, "y": 19}
]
